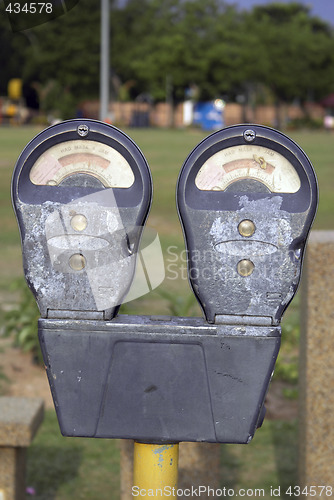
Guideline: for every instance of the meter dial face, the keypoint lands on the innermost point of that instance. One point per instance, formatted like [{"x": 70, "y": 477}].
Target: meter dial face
[
  {"x": 248, "y": 162},
  {"x": 82, "y": 157}
]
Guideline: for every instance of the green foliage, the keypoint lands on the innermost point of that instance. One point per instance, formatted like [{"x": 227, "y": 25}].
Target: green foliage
[
  {"x": 287, "y": 363},
  {"x": 3, "y": 381},
  {"x": 305, "y": 122},
  {"x": 269, "y": 460},
  {"x": 299, "y": 51},
  {"x": 287, "y": 369},
  {"x": 178, "y": 305},
  {"x": 290, "y": 392},
  {"x": 171, "y": 38},
  {"x": 12, "y": 53},
  {"x": 21, "y": 321},
  {"x": 165, "y": 47},
  {"x": 60, "y": 58},
  {"x": 58, "y": 101},
  {"x": 212, "y": 46},
  {"x": 67, "y": 49}
]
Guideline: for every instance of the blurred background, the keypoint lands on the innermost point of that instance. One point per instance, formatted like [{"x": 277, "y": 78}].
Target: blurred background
[
  {"x": 271, "y": 63},
  {"x": 178, "y": 70}
]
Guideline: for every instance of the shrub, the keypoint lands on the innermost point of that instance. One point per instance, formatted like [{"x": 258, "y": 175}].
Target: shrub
[{"x": 21, "y": 321}]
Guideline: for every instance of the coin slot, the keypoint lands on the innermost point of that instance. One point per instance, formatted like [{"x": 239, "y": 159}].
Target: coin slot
[{"x": 75, "y": 241}]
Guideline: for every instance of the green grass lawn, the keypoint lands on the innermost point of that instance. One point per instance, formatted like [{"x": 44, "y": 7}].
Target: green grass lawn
[
  {"x": 62, "y": 468},
  {"x": 66, "y": 468},
  {"x": 12, "y": 141}
]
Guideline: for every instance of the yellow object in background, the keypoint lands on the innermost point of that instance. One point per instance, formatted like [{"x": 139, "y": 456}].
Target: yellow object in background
[
  {"x": 15, "y": 89},
  {"x": 11, "y": 111}
]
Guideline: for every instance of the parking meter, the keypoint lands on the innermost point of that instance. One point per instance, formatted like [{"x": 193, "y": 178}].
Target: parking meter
[
  {"x": 81, "y": 192},
  {"x": 246, "y": 198}
]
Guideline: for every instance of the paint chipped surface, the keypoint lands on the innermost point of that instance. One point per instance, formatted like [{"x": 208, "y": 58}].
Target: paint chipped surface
[
  {"x": 272, "y": 252},
  {"x": 49, "y": 243}
]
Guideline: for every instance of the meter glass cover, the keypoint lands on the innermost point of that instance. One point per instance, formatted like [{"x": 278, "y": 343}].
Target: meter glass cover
[
  {"x": 82, "y": 157},
  {"x": 248, "y": 162}
]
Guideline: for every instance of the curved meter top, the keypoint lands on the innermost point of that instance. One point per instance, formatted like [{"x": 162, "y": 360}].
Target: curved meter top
[
  {"x": 248, "y": 162},
  {"x": 88, "y": 157},
  {"x": 79, "y": 158},
  {"x": 231, "y": 163}
]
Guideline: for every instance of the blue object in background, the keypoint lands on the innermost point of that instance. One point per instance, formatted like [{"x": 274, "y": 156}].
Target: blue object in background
[{"x": 209, "y": 115}]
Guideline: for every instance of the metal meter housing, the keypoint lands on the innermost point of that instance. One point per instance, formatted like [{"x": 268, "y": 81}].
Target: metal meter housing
[
  {"x": 81, "y": 192},
  {"x": 246, "y": 197}
]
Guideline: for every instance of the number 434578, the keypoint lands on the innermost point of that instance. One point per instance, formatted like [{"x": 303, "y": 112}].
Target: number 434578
[
  {"x": 29, "y": 8},
  {"x": 310, "y": 491}
]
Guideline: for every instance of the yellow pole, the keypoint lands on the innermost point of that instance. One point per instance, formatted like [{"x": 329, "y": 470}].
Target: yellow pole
[{"x": 155, "y": 468}]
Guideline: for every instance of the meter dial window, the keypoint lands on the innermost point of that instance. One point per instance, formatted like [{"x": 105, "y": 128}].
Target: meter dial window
[
  {"x": 248, "y": 162},
  {"x": 82, "y": 157}
]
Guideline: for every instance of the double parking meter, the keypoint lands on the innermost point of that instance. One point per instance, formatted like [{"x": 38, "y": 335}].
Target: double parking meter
[{"x": 246, "y": 197}]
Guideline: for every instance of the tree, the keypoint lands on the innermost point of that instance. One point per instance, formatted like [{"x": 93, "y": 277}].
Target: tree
[
  {"x": 63, "y": 58},
  {"x": 12, "y": 54},
  {"x": 297, "y": 51},
  {"x": 167, "y": 38},
  {"x": 221, "y": 51},
  {"x": 206, "y": 45}
]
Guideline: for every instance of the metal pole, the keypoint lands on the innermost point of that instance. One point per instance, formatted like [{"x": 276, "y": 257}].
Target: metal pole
[
  {"x": 104, "y": 62},
  {"x": 155, "y": 469}
]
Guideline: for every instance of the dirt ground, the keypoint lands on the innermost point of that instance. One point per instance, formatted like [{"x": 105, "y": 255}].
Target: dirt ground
[
  {"x": 26, "y": 379},
  {"x": 23, "y": 377}
]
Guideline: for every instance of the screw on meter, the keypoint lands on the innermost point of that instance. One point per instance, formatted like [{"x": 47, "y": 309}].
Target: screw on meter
[
  {"x": 246, "y": 198},
  {"x": 81, "y": 192}
]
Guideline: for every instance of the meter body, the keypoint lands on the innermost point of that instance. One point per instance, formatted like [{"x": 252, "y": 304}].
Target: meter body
[
  {"x": 158, "y": 379},
  {"x": 246, "y": 197},
  {"x": 81, "y": 192}
]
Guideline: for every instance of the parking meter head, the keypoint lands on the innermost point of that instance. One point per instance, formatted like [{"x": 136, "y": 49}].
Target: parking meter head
[
  {"x": 81, "y": 192},
  {"x": 246, "y": 196}
]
